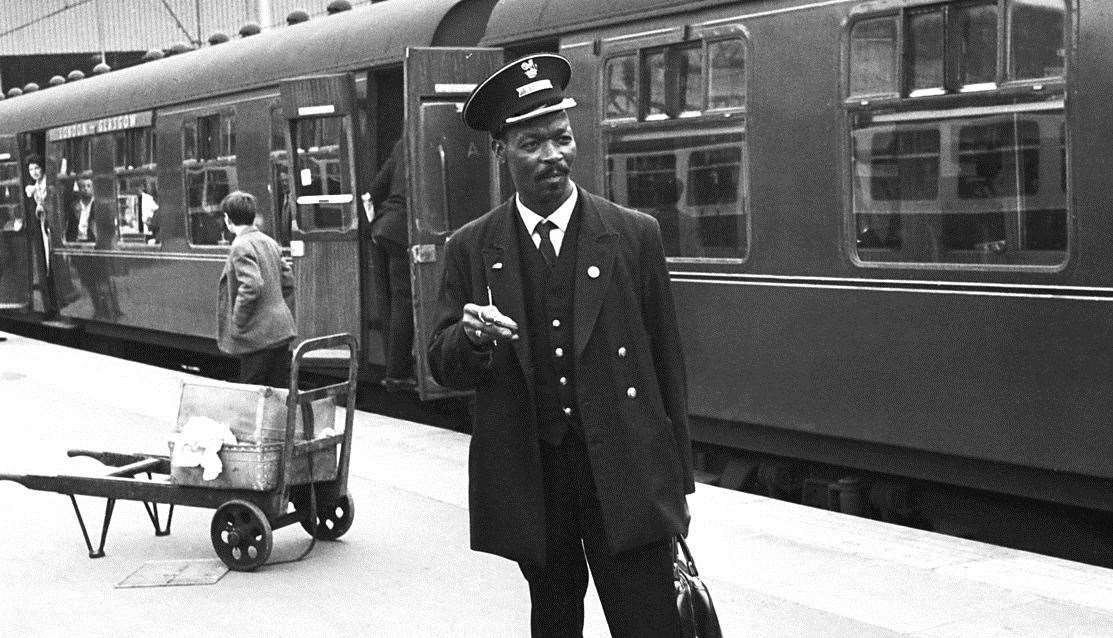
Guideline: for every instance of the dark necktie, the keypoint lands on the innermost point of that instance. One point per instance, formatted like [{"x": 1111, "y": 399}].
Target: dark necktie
[{"x": 546, "y": 247}]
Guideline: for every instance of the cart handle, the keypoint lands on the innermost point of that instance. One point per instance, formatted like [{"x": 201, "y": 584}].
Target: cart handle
[{"x": 296, "y": 398}]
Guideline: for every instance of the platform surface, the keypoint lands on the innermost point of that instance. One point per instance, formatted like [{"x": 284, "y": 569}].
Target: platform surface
[{"x": 774, "y": 568}]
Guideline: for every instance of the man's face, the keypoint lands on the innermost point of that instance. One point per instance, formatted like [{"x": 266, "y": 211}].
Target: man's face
[
  {"x": 539, "y": 154},
  {"x": 85, "y": 189},
  {"x": 35, "y": 171}
]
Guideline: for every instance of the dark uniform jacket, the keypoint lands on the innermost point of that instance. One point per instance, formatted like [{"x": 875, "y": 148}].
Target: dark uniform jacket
[
  {"x": 628, "y": 370},
  {"x": 388, "y": 193},
  {"x": 251, "y": 309}
]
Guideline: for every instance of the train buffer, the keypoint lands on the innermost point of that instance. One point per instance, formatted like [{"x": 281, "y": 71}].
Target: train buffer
[{"x": 405, "y": 569}]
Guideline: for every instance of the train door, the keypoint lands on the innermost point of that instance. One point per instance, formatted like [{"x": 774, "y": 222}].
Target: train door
[
  {"x": 321, "y": 139},
  {"x": 451, "y": 165},
  {"x": 15, "y": 246}
]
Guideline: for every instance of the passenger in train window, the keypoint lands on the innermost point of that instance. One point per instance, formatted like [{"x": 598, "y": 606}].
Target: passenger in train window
[
  {"x": 556, "y": 309},
  {"x": 80, "y": 224},
  {"x": 390, "y": 234},
  {"x": 149, "y": 211},
  {"x": 254, "y": 322}
]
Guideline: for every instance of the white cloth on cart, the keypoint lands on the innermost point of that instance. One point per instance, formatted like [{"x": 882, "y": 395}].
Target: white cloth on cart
[{"x": 198, "y": 443}]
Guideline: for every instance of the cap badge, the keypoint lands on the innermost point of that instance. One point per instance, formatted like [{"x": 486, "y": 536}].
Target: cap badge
[{"x": 530, "y": 68}]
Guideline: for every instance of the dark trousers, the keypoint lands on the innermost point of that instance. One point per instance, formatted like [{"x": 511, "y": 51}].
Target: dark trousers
[
  {"x": 635, "y": 587},
  {"x": 39, "y": 234},
  {"x": 392, "y": 268},
  {"x": 270, "y": 366}
]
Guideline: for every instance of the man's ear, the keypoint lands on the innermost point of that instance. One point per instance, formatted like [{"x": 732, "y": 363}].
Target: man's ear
[{"x": 498, "y": 147}]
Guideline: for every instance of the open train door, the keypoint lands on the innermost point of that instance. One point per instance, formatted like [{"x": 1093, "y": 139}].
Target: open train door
[
  {"x": 324, "y": 234},
  {"x": 15, "y": 244},
  {"x": 452, "y": 168}
]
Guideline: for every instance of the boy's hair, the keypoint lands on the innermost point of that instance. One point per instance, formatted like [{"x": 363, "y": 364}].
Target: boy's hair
[
  {"x": 239, "y": 207},
  {"x": 36, "y": 160}
]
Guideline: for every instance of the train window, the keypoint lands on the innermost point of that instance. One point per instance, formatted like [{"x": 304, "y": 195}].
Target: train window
[
  {"x": 11, "y": 196},
  {"x": 209, "y": 174},
  {"x": 925, "y": 35},
  {"x": 1036, "y": 39},
  {"x": 873, "y": 56},
  {"x": 137, "y": 185},
  {"x": 974, "y": 29},
  {"x": 726, "y": 74},
  {"x": 655, "y": 85},
  {"x": 74, "y": 186},
  {"x": 904, "y": 163},
  {"x": 280, "y": 175},
  {"x": 681, "y": 160},
  {"x": 621, "y": 82},
  {"x": 320, "y": 177},
  {"x": 962, "y": 169},
  {"x": 675, "y": 82},
  {"x": 189, "y": 140},
  {"x": 692, "y": 183}
]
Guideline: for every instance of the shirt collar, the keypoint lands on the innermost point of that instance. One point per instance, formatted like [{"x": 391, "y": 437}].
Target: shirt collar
[{"x": 561, "y": 216}]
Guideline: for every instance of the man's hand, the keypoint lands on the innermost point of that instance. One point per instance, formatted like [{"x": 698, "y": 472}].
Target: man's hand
[{"x": 485, "y": 325}]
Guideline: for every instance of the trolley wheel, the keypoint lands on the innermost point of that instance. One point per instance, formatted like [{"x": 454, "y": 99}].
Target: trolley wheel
[
  {"x": 334, "y": 515},
  {"x": 241, "y": 535}
]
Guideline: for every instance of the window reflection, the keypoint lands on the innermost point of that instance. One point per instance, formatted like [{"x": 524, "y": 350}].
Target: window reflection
[
  {"x": 727, "y": 67},
  {"x": 1036, "y": 47},
  {"x": 11, "y": 202},
  {"x": 621, "y": 75},
  {"x": 962, "y": 190},
  {"x": 320, "y": 177},
  {"x": 975, "y": 29},
  {"x": 693, "y": 184},
  {"x": 873, "y": 50},
  {"x": 209, "y": 174},
  {"x": 926, "y": 43},
  {"x": 137, "y": 186}
]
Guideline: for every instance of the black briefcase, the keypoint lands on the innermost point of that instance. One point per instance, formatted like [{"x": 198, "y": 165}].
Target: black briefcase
[{"x": 693, "y": 600}]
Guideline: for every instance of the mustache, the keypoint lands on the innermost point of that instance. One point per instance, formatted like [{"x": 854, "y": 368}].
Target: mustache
[{"x": 554, "y": 171}]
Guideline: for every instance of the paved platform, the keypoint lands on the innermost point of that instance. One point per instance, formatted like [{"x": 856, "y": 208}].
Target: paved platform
[{"x": 774, "y": 568}]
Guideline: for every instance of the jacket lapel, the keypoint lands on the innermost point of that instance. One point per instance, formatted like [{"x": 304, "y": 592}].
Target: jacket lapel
[
  {"x": 594, "y": 264},
  {"x": 502, "y": 266}
]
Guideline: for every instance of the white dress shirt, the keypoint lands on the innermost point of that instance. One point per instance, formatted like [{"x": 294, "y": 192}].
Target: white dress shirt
[
  {"x": 85, "y": 208},
  {"x": 561, "y": 216}
]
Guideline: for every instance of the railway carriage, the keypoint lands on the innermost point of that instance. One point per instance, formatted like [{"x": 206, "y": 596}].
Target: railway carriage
[{"x": 886, "y": 221}]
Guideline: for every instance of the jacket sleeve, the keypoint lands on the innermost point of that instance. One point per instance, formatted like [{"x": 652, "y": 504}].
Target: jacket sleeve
[
  {"x": 659, "y": 317},
  {"x": 380, "y": 187},
  {"x": 245, "y": 267},
  {"x": 454, "y": 361}
]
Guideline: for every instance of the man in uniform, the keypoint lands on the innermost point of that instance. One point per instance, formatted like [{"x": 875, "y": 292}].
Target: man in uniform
[{"x": 556, "y": 309}]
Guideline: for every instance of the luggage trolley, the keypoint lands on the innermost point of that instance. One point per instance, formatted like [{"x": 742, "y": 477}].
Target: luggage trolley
[{"x": 242, "y": 527}]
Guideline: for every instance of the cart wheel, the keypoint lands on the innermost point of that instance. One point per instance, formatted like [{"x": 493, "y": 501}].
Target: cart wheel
[
  {"x": 241, "y": 535},
  {"x": 334, "y": 516}
]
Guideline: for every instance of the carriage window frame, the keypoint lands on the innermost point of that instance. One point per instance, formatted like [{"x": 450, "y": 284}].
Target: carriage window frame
[
  {"x": 216, "y": 151},
  {"x": 278, "y": 178},
  {"x": 75, "y": 163},
  {"x": 126, "y": 165},
  {"x": 962, "y": 105},
  {"x": 681, "y": 125}
]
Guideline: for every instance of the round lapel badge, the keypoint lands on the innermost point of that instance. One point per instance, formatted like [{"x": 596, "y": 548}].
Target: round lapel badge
[{"x": 593, "y": 272}]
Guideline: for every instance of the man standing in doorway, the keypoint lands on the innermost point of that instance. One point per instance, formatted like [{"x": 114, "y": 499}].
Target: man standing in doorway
[
  {"x": 556, "y": 309},
  {"x": 391, "y": 236}
]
